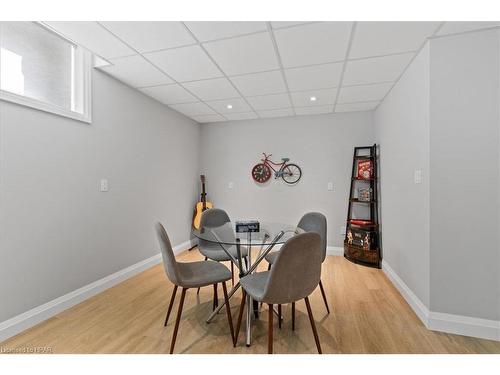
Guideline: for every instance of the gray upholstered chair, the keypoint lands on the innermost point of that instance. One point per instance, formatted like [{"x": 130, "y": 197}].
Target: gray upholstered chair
[
  {"x": 310, "y": 222},
  {"x": 212, "y": 218},
  {"x": 295, "y": 274},
  {"x": 190, "y": 275}
]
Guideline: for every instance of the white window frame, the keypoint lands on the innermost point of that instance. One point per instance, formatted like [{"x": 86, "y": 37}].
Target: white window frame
[{"x": 86, "y": 81}]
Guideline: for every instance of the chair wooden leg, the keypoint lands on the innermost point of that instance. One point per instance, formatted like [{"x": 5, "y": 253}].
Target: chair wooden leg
[
  {"x": 177, "y": 321},
  {"x": 324, "y": 296},
  {"x": 232, "y": 273},
  {"x": 216, "y": 299},
  {"x": 270, "y": 330},
  {"x": 279, "y": 316},
  {"x": 313, "y": 325},
  {"x": 228, "y": 310},
  {"x": 198, "y": 291},
  {"x": 170, "y": 305},
  {"x": 293, "y": 316},
  {"x": 240, "y": 316}
]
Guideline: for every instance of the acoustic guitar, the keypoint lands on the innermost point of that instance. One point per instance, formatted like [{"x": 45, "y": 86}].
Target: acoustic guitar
[{"x": 202, "y": 205}]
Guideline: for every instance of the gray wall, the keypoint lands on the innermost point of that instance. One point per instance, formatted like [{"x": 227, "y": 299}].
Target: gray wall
[
  {"x": 464, "y": 150},
  {"x": 322, "y": 146},
  {"x": 58, "y": 232},
  {"x": 402, "y": 132}
]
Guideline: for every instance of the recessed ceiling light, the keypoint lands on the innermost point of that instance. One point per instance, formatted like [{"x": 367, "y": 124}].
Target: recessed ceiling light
[
  {"x": 312, "y": 98},
  {"x": 229, "y": 106}
]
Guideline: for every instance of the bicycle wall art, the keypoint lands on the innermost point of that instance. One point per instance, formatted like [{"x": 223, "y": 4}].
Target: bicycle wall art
[{"x": 289, "y": 172}]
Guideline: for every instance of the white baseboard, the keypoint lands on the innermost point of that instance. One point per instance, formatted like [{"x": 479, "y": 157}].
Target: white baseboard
[
  {"x": 436, "y": 321},
  {"x": 43, "y": 312},
  {"x": 335, "y": 251}
]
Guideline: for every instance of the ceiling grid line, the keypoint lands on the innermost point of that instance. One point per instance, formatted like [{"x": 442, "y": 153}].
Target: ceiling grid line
[{"x": 349, "y": 45}]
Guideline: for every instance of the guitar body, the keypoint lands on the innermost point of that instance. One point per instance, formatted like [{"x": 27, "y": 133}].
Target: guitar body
[
  {"x": 202, "y": 205},
  {"x": 199, "y": 210}
]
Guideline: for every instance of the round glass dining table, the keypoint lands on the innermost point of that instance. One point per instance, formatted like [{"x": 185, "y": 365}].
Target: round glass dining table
[{"x": 265, "y": 239}]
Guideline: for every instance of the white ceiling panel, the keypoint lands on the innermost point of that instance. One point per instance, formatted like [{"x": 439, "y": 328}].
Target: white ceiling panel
[
  {"x": 354, "y": 107},
  {"x": 185, "y": 63},
  {"x": 208, "y": 118},
  {"x": 276, "y": 113},
  {"x": 212, "y": 89},
  {"x": 313, "y": 44},
  {"x": 193, "y": 109},
  {"x": 169, "y": 94},
  {"x": 364, "y": 93},
  {"x": 240, "y": 116},
  {"x": 314, "y": 77},
  {"x": 322, "y": 109},
  {"x": 246, "y": 54},
  {"x": 237, "y": 105},
  {"x": 266, "y": 102},
  {"x": 260, "y": 83},
  {"x": 136, "y": 71},
  {"x": 211, "y": 30},
  {"x": 463, "y": 26},
  {"x": 94, "y": 37},
  {"x": 281, "y": 24},
  {"x": 384, "y": 38},
  {"x": 377, "y": 69},
  {"x": 150, "y": 35},
  {"x": 323, "y": 97}
]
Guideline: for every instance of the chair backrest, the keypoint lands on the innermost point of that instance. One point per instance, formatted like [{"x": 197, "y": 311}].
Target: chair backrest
[
  {"x": 296, "y": 271},
  {"x": 213, "y": 218},
  {"x": 315, "y": 222},
  {"x": 169, "y": 262}
]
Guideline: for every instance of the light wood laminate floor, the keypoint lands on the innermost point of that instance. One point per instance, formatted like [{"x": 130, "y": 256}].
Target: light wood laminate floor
[{"x": 368, "y": 315}]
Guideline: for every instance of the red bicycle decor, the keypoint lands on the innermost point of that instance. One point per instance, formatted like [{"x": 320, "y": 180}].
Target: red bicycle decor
[{"x": 290, "y": 173}]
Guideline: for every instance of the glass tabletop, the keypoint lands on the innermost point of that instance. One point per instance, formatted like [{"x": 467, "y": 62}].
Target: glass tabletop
[{"x": 268, "y": 233}]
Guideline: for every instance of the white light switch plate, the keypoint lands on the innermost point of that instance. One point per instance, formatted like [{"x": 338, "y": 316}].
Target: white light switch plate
[
  {"x": 417, "y": 176},
  {"x": 330, "y": 186},
  {"x": 230, "y": 185},
  {"x": 104, "y": 185}
]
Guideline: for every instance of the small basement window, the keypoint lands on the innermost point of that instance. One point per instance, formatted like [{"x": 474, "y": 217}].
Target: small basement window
[{"x": 43, "y": 70}]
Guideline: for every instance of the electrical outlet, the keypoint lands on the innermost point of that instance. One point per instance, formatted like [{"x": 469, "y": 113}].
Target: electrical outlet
[
  {"x": 230, "y": 185},
  {"x": 342, "y": 230},
  {"x": 330, "y": 186},
  {"x": 104, "y": 185},
  {"x": 417, "y": 176}
]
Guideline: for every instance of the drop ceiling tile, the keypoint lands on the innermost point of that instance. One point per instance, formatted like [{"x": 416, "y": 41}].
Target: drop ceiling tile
[
  {"x": 276, "y": 113},
  {"x": 260, "y": 83},
  {"x": 314, "y": 110},
  {"x": 238, "y": 105},
  {"x": 364, "y": 93},
  {"x": 246, "y": 54},
  {"x": 150, "y": 35},
  {"x": 314, "y": 77},
  {"x": 212, "y": 89},
  {"x": 323, "y": 97},
  {"x": 266, "y": 102},
  {"x": 208, "y": 118},
  {"x": 211, "y": 30},
  {"x": 193, "y": 109},
  {"x": 377, "y": 69},
  {"x": 355, "y": 107},
  {"x": 280, "y": 24},
  {"x": 384, "y": 38},
  {"x": 313, "y": 44},
  {"x": 94, "y": 37},
  {"x": 169, "y": 94},
  {"x": 185, "y": 63},
  {"x": 463, "y": 26},
  {"x": 136, "y": 72},
  {"x": 240, "y": 116}
]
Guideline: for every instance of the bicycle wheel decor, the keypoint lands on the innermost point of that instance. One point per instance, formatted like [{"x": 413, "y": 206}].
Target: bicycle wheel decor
[
  {"x": 261, "y": 173},
  {"x": 289, "y": 172}
]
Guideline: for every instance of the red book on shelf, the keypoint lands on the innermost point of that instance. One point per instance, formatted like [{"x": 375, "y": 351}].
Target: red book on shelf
[{"x": 365, "y": 169}]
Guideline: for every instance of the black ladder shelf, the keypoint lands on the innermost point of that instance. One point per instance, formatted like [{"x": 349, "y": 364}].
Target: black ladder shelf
[{"x": 362, "y": 237}]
